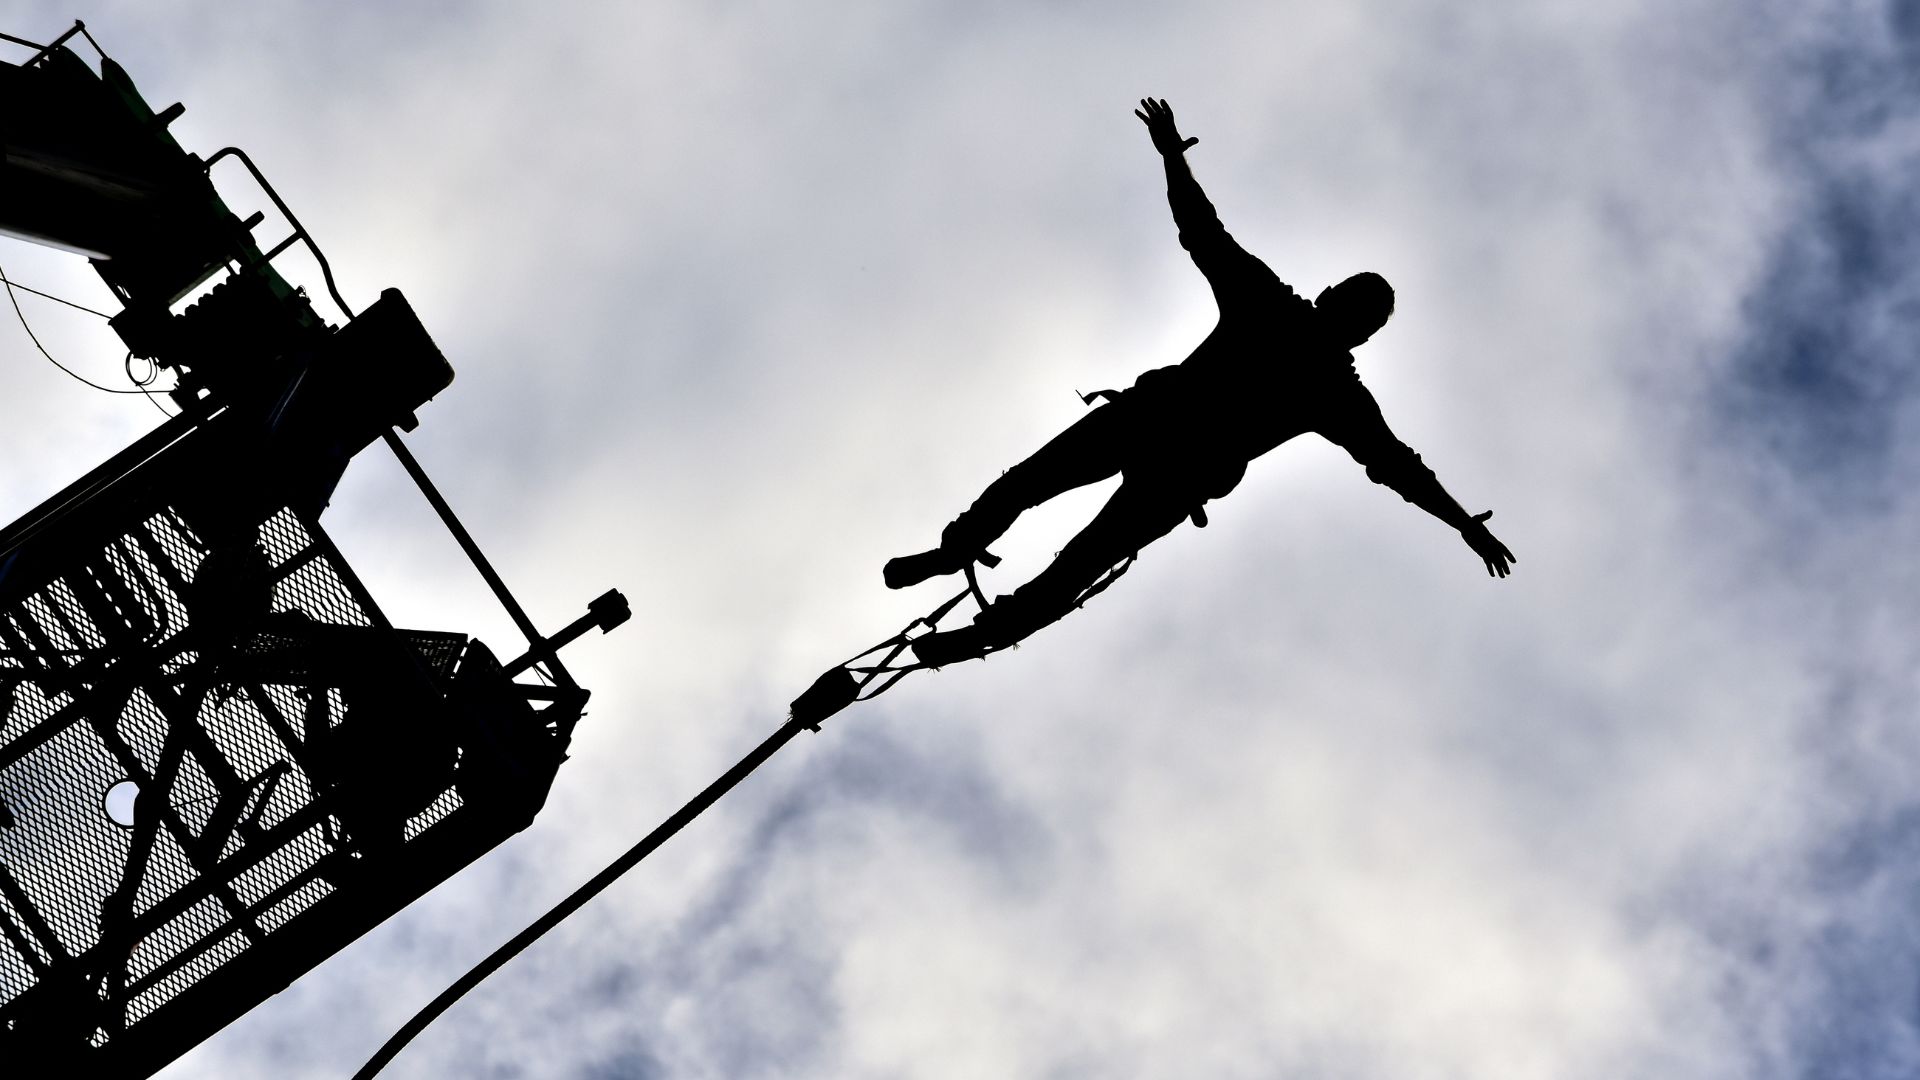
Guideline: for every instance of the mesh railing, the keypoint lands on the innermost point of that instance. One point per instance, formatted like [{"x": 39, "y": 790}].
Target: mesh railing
[{"x": 247, "y": 689}]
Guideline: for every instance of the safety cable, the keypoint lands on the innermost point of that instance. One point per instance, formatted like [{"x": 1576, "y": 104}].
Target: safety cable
[
  {"x": 56, "y": 299},
  {"x": 839, "y": 687},
  {"x": 580, "y": 896},
  {"x": 153, "y": 375},
  {"x": 24, "y": 325}
]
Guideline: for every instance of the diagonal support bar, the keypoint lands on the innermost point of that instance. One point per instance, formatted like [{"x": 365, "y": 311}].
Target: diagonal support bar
[{"x": 538, "y": 646}]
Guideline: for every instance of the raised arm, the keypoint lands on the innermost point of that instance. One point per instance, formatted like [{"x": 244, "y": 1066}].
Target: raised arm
[
  {"x": 1191, "y": 210},
  {"x": 1227, "y": 265}
]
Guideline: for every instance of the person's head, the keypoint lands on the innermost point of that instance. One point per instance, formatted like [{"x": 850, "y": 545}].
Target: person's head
[{"x": 1356, "y": 308}]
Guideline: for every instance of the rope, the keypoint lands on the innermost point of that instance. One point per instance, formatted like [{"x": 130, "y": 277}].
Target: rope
[
  {"x": 854, "y": 689},
  {"x": 580, "y": 896}
]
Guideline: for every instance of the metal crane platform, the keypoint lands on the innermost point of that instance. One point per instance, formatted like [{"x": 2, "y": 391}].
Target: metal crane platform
[{"x": 220, "y": 762}]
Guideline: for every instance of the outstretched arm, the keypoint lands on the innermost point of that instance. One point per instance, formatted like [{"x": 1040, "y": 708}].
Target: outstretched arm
[
  {"x": 1393, "y": 464},
  {"x": 1419, "y": 486},
  {"x": 1218, "y": 256}
]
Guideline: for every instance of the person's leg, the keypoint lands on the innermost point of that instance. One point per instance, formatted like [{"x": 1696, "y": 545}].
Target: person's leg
[
  {"x": 1088, "y": 452},
  {"x": 1137, "y": 514}
]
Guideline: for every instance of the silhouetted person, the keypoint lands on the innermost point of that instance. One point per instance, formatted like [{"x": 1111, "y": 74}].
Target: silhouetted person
[{"x": 1275, "y": 366}]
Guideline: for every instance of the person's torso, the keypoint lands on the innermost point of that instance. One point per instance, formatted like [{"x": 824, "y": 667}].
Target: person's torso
[{"x": 1264, "y": 375}]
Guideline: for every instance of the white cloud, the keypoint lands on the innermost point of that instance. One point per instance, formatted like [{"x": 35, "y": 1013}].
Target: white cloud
[{"x": 745, "y": 300}]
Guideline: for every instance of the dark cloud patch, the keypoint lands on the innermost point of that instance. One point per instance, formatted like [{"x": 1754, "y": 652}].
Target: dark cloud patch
[
  {"x": 1868, "y": 953},
  {"x": 1819, "y": 954},
  {"x": 626, "y": 1065},
  {"x": 1819, "y": 404},
  {"x": 1825, "y": 375},
  {"x": 1862, "y": 944},
  {"x": 1904, "y": 17}
]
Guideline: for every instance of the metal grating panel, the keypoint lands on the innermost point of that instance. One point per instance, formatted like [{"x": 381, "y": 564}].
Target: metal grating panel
[{"x": 239, "y": 681}]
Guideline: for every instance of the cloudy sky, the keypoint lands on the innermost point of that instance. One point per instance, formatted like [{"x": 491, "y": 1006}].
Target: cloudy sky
[{"x": 746, "y": 298}]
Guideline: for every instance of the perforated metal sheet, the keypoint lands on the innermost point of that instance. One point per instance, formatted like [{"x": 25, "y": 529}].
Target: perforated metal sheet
[{"x": 219, "y": 694}]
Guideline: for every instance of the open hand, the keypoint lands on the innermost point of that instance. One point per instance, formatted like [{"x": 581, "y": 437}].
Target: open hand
[
  {"x": 1159, "y": 120},
  {"x": 1491, "y": 551}
]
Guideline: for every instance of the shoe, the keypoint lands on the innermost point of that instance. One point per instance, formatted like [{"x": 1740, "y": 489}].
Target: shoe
[{"x": 914, "y": 569}]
